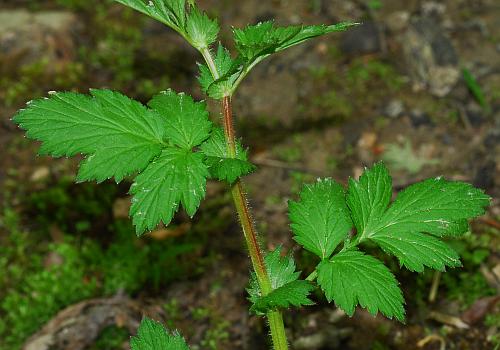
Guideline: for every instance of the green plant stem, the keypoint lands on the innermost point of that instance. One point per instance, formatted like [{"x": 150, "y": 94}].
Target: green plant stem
[{"x": 275, "y": 318}]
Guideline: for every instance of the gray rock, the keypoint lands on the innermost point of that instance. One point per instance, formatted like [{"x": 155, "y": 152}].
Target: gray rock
[
  {"x": 27, "y": 37},
  {"x": 397, "y": 21},
  {"x": 394, "y": 109},
  {"x": 430, "y": 56}
]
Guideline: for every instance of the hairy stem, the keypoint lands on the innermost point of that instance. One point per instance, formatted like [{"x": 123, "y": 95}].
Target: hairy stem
[{"x": 274, "y": 317}]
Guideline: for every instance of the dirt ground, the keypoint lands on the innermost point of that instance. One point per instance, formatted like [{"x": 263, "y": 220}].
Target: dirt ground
[{"x": 393, "y": 89}]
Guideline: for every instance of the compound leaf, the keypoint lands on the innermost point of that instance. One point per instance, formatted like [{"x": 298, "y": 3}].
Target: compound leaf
[
  {"x": 320, "y": 219},
  {"x": 176, "y": 177},
  {"x": 151, "y": 335},
  {"x": 351, "y": 278},
  {"x": 185, "y": 122},
  {"x": 287, "y": 290},
  {"x": 118, "y": 135},
  {"x": 221, "y": 166}
]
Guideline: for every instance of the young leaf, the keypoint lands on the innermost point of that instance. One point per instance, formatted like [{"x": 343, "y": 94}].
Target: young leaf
[
  {"x": 258, "y": 41},
  {"x": 435, "y": 206},
  {"x": 220, "y": 165},
  {"x": 291, "y": 294},
  {"x": 151, "y": 335},
  {"x": 119, "y": 135},
  {"x": 169, "y": 12},
  {"x": 201, "y": 30},
  {"x": 352, "y": 278},
  {"x": 287, "y": 289},
  {"x": 223, "y": 63},
  {"x": 228, "y": 71},
  {"x": 185, "y": 122},
  {"x": 320, "y": 219},
  {"x": 176, "y": 176}
]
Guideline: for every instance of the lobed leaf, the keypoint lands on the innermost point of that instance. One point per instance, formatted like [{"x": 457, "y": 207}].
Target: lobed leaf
[
  {"x": 256, "y": 42},
  {"x": 220, "y": 165},
  {"x": 320, "y": 219},
  {"x": 118, "y": 135},
  {"x": 169, "y": 12},
  {"x": 287, "y": 289},
  {"x": 415, "y": 250},
  {"x": 151, "y": 335},
  {"x": 201, "y": 30},
  {"x": 187, "y": 19},
  {"x": 185, "y": 122},
  {"x": 228, "y": 71},
  {"x": 351, "y": 278},
  {"x": 432, "y": 207},
  {"x": 369, "y": 197},
  {"x": 176, "y": 177},
  {"x": 294, "y": 293}
]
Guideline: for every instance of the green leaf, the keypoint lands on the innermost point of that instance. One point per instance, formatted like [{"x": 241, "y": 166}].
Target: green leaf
[
  {"x": 287, "y": 289},
  {"x": 223, "y": 63},
  {"x": 189, "y": 21},
  {"x": 170, "y": 12},
  {"x": 176, "y": 176},
  {"x": 351, "y": 278},
  {"x": 320, "y": 219},
  {"x": 434, "y": 206},
  {"x": 151, "y": 335},
  {"x": 475, "y": 89},
  {"x": 118, "y": 135},
  {"x": 201, "y": 30},
  {"x": 221, "y": 166},
  {"x": 255, "y": 42},
  {"x": 185, "y": 122},
  {"x": 291, "y": 294},
  {"x": 369, "y": 197},
  {"x": 416, "y": 250}
]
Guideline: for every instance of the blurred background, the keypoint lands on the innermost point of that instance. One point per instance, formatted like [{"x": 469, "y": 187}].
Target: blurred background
[{"x": 417, "y": 85}]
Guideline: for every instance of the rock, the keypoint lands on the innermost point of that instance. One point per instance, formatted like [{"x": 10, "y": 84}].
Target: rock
[
  {"x": 362, "y": 39},
  {"x": 419, "y": 118},
  {"x": 27, "y": 37},
  {"x": 40, "y": 174},
  {"x": 430, "y": 57},
  {"x": 397, "y": 21},
  {"x": 394, "y": 109}
]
